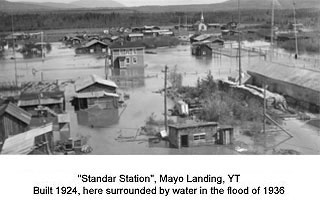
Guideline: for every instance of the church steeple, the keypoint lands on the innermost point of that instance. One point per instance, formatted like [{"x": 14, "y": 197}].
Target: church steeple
[{"x": 202, "y": 17}]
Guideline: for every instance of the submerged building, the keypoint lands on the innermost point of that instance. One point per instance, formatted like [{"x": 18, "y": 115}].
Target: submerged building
[
  {"x": 126, "y": 55},
  {"x": 13, "y": 120},
  {"x": 95, "y": 91}
]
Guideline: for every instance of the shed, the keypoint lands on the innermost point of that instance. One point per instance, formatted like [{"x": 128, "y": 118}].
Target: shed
[
  {"x": 53, "y": 100},
  {"x": 95, "y": 83},
  {"x": 201, "y": 49},
  {"x": 13, "y": 120},
  {"x": 95, "y": 91},
  {"x": 94, "y": 46},
  {"x": 193, "y": 134}
]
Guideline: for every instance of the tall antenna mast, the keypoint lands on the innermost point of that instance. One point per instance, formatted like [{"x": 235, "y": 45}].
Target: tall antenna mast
[
  {"x": 239, "y": 41},
  {"x": 14, "y": 53},
  {"x": 272, "y": 28},
  {"x": 295, "y": 29}
]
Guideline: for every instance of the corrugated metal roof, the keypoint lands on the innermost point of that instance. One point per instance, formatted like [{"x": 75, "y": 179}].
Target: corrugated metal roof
[
  {"x": 89, "y": 44},
  {"x": 92, "y": 79},
  {"x": 43, "y": 101},
  {"x": 202, "y": 37},
  {"x": 289, "y": 74},
  {"x": 16, "y": 112},
  {"x": 24, "y": 143},
  {"x": 97, "y": 94}
]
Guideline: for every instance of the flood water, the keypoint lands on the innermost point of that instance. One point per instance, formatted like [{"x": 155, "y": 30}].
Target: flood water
[{"x": 62, "y": 64}]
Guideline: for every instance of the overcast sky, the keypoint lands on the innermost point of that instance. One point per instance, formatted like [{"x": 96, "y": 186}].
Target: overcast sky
[{"x": 139, "y": 2}]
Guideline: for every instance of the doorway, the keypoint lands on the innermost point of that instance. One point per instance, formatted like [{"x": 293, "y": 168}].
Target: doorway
[{"x": 184, "y": 141}]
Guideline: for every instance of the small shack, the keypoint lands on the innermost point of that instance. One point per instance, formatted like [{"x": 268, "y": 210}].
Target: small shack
[
  {"x": 193, "y": 134},
  {"x": 199, "y": 134},
  {"x": 93, "y": 47},
  {"x": 201, "y": 49},
  {"x": 95, "y": 91},
  {"x": 13, "y": 120},
  {"x": 30, "y": 101}
]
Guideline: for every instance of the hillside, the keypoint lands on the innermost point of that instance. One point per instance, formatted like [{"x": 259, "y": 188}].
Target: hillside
[
  {"x": 36, "y": 6},
  {"x": 224, "y": 6},
  {"x": 232, "y": 5},
  {"x": 96, "y": 4}
]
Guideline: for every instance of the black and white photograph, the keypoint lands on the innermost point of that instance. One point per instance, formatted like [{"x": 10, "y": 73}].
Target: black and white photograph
[{"x": 137, "y": 77}]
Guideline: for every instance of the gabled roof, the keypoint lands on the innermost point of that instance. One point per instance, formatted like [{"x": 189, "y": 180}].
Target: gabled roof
[
  {"x": 92, "y": 79},
  {"x": 135, "y": 44},
  {"x": 97, "y": 94},
  {"x": 202, "y": 37},
  {"x": 89, "y": 44},
  {"x": 298, "y": 76},
  {"x": 16, "y": 112}
]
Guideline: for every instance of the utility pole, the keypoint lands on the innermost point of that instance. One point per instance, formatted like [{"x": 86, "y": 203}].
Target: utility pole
[
  {"x": 14, "y": 53},
  {"x": 239, "y": 41},
  {"x": 295, "y": 29},
  {"x": 264, "y": 108},
  {"x": 165, "y": 98},
  {"x": 42, "y": 53},
  {"x": 272, "y": 28}
]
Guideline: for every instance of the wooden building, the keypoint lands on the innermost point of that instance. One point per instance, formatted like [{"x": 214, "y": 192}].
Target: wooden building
[
  {"x": 30, "y": 101},
  {"x": 199, "y": 134},
  {"x": 201, "y": 49},
  {"x": 299, "y": 86},
  {"x": 135, "y": 36},
  {"x": 93, "y": 47},
  {"x": 13, "y": 120},
  {"x": 126, "y": 55},
  {"x": 196, "y": 134},
  {"x": 95, "y": 91}
]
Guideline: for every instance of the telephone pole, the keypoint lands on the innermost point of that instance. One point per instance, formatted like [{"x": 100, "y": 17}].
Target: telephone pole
[
  {"x": 165, "y": 98},
  {"x": 14, "y": 53},
  {"x": 272, "y": 28},
  {"x": 239, "y": 41},
  {"x": 295, "y": 29}
]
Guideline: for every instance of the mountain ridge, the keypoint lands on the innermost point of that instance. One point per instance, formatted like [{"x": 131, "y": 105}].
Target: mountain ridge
[{"x": 92, "y": 4}]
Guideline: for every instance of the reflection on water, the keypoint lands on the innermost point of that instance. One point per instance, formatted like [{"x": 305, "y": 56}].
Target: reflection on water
[
  {"x": 128, "y": 78},
  {"x": 98, "y": 117},
  {"x": 104, "y": 127}
]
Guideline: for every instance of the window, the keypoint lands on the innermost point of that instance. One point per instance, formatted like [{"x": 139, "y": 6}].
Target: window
[
  {"x": 127, "y": 52},
  {"x": 122, "y": 51},
  {"x": 128, "y": 60},
  {"x": 91, "y": 50},
  {"x": 134, "y": 51},
  {"x": 122, "y": 64},
  {"x": 198, "y": 137},
  {"x": 104, "y": 50},
  {"x": 134, "y": 60}
]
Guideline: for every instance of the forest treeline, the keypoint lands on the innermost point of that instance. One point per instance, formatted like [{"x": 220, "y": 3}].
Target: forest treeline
[{"x": 100, "y": 19}]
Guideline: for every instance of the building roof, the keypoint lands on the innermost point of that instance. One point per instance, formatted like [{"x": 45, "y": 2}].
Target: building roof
[
  {"x": 97, "y": 94},
  {"x": 298, "y": 76},
  {"x": 36, "y": 102},
  {"x": 16, "y": 112},
  {"x": 194, "y": 125},
  {"x": 135, "y": 44},
  {"x": 24, "y": 143},
  {"x": 136, "y": 35},
  {"x": 202, "y": 37},
  {"x": 91, "y": 80},
  {"x": 93, "y": 42}
]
